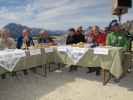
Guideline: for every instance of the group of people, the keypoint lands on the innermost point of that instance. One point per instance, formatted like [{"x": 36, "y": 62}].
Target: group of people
[
  {"x": 113, "y": 36},
  {"x": 74, "y": 36},
  {"x": 24, "y": 41}
]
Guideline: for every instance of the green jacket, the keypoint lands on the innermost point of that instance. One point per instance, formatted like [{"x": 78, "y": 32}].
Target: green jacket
[{"x": 117, "y": 39}]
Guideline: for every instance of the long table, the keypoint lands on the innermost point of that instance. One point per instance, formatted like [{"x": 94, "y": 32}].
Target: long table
[
  {"x": 112, "y": 62},
  {"x": 28, "y": 61}
]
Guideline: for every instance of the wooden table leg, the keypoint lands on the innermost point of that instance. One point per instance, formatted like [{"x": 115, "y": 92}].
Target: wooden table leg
[
  {"x": 49, "y": 67},
  {"x": 104, "y": 77},
  {"x": 44, "y": 70}
]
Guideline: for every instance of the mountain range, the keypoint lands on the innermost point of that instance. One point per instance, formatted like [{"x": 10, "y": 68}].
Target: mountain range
[{"x": 16, "y": 30}]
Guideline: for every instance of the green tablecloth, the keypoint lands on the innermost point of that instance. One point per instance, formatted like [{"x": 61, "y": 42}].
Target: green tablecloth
[
  {"x": 112, "y": 62},
  {"x": 29, "y": 62}
]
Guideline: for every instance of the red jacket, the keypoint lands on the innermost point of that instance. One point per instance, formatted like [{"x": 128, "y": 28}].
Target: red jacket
[{"x": 100, "y": 39}]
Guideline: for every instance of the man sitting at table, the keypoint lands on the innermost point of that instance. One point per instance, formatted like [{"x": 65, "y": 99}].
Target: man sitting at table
[
  {"x": 75, "y": 38},
  {"x": 5, "y": 40},
  {"x": 98, "y": 38},
  {"x": 78, "y": 36},
  {"x": 44, "y": 38},
  {"x": 116, "y": 37},
  {"x": 25, "y": 40},
  {"x": 70, "y": 39}
]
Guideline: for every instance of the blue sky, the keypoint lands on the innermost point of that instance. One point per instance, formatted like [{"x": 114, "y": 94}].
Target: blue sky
[{"x": 58, "y": 14}]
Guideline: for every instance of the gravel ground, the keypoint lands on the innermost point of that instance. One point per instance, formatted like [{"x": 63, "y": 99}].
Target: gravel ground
[{"x": 63, "y": 85}]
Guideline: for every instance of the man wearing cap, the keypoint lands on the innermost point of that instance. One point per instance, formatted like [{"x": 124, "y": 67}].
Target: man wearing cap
[
  {"x": 44, "y": 38},
  {"x": 25, "y": 40},
  {"x": 116, "y": 37}
]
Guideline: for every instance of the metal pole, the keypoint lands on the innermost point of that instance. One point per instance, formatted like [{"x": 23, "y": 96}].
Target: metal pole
[{"x": 119, "y": 17}]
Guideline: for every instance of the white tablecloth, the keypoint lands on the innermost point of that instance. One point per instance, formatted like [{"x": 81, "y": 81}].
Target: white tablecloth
[
  {"x": 9, "y": 58},
  {"x": 74, "y": 53}
]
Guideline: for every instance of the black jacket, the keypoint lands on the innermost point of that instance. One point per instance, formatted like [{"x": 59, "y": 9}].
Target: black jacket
[
  {"x": 69, "y": 40},
  {"x": 78, "y": 38},
  {"x": 75, "y": 39}
]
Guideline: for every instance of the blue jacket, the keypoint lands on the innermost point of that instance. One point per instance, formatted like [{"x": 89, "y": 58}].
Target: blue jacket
[
  {"x": 43, "y": 40},
  {"x": 20, "y": 42}
]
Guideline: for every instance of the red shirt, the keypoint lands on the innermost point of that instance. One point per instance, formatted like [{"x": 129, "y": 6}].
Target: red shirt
[{"x": 100, "y": 39}]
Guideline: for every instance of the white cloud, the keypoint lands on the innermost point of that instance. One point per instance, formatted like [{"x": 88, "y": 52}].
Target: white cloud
[
  {"x": 67, "y": 7},
  {"x": 7, "y": 15},
  {"x": 63, "y": 10},
  {"x": 60, "y": 14}
]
